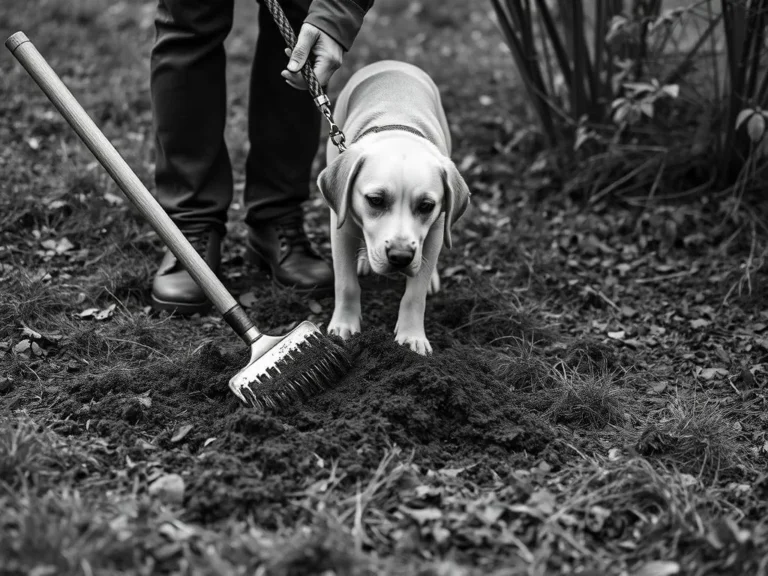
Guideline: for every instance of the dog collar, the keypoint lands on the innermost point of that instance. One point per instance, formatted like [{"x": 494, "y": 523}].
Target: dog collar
[{"x": 388, "y": 127}]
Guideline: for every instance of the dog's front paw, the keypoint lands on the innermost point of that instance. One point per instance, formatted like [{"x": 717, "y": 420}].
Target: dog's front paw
[
  {"x": 344, "y": 325},
  {"x": 416, "y": 341}
]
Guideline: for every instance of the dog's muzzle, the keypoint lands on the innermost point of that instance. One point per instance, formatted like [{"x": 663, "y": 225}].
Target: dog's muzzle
[{"x": 400, "y": 258}]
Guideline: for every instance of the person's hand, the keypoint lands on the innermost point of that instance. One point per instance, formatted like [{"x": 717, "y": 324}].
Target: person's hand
[{"x": 327, "y": 54}]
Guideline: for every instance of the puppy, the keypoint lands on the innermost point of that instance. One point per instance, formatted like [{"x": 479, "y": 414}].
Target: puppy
[{"x": 394, "y": 193}]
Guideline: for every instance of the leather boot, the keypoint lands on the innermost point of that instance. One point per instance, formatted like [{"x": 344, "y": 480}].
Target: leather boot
[
  {"x": 174, "y": 289},
  {"x": 281, "y": 247}
]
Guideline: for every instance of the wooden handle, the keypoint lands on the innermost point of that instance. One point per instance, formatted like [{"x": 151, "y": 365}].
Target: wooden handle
[{"x": 34, "y": 63}]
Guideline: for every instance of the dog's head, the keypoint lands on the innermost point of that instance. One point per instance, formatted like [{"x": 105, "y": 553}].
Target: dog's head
[{"x": 395, "y": 188}]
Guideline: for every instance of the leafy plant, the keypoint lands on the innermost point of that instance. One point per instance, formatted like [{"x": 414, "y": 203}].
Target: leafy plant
[
  {"x": 574, "y": 66},
  {"x": 602, "y": 76},
  {"x": 744, "y": 29}
]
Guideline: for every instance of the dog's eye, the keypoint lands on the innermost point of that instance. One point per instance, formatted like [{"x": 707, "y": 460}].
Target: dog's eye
[
  {"x": 375, "y": 201},
  {"x": 426, "y": 207}
]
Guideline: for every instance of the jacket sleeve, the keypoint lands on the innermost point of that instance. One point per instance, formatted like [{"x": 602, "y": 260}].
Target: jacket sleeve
[{"x": 340, "y": 19}]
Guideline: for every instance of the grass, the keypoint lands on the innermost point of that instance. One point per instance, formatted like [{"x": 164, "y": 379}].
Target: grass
[
  {"x": 673, "y": 516},
  {"x": 58, "y": 533},
  {"x": 25, "y": 451},
  {"x": 585, "y": 400},
  {"x": 696, "y": 436},
  {"x": 636, "y": 473}
]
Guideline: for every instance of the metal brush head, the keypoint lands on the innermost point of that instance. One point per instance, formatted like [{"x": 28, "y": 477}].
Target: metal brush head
[{"x": 284, "y": 369}]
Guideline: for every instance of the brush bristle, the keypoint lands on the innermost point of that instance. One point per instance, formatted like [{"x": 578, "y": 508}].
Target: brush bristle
[{"x": 313, "y": 367}]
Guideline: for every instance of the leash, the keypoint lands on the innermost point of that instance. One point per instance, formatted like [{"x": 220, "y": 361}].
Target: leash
[{"x": 322, "y": 101}]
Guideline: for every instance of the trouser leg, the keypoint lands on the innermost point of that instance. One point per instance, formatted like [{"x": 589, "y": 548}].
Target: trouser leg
[
  {"x": 283, "y": 126},
  {"x": 193, "y": 174}
]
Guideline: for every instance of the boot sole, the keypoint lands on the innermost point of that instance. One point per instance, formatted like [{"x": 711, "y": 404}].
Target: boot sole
[
  {"x": 254, "y": 258},
  {"x": 181, "y": 308}
]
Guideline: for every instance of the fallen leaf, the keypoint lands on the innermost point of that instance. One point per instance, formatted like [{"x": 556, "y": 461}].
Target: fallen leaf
[
  {"x": 145, "y": 401},
  {"x": 26, "y": 331},
  {"x": 619, "y": 335},
  {"x": 422, "y": 515},
  {"x": 453, "y": 271},
  {"x": 542, "y": 500},
  {"x": 105, "y": 313},
  {"x": 22, "y": 347},
  {"x": 712, "y": 373},
  {"x": 88, "y": 312},
  {"x": 43, "y": 570},
  {"x": 181, "y": 433},
  {"x": 658, "y": 568},
  {"x": 113, "y": 199},
  {"x": 56, "y": 204},
  {"x": 315, "y": 307},
  {"x": 177, "y": 531},
  {"x": 450, "y": 472},
  {"x": 491, "y": 514},
  {"x": 63, "y": 245},
  {"x": 700, "y": 323},
  {"x": 628, "y": 312},
  {"x": 659, "y": 387},
  {"x": 248, "y": 299},
  {"x": 467, "y": 162},
  {"x": 168, "y": 489},
  {"x": 209, "y": 441}
]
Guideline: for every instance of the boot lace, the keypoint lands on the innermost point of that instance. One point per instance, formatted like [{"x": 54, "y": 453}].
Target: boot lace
[{"x": 290, "y": 230}]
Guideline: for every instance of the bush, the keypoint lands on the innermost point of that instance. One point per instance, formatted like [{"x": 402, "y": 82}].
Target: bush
[{"x": 660, "y": 98}]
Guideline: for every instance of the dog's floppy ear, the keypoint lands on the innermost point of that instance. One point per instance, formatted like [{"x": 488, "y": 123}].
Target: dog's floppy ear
[
  {"x": 337, "y": 180},
  {"x": 455, "y": 198}
]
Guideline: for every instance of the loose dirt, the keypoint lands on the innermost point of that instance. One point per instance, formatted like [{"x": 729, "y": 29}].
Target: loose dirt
[{"x": 449, "y": 409}]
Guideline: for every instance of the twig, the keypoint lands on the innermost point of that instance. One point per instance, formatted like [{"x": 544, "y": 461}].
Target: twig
[
  {"x": 608, "y": 189},
  {"x": 663, "y": 277},
  {"x": 607, "y": 300}
]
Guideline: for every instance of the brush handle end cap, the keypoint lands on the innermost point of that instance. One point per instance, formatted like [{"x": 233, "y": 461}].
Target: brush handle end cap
[{"x": 16, "y": 40}]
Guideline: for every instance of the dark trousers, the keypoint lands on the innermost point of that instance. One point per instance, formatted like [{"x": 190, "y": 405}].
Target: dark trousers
[{"x": 193, "y": 174}]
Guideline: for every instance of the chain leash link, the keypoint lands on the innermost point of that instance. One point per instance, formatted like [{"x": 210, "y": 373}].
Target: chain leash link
[{"x": 321, "y": 100}]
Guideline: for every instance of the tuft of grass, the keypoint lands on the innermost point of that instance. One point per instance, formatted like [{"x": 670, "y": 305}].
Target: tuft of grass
[
  {"x": 667, "y": 513},
  {"x": 697, "y": 437},
  {"x": 520, "y": 368},
  {"x": 32, "y": 302},
  {"x": 325, "y": 548},
  {"x": 586, "y": 401},
  {"x": 25, "y": 450},
  {"x": 589, "y": 356},
  {"x": 495, "y": 321},
  {"x": 59, "y": 534},
  {"x": 582, "y": 391}
]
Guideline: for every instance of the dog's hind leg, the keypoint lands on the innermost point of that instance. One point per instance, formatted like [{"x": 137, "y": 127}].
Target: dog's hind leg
[
  {"x": 363, "y": 264},
  {"x": 434, "y": 283}
]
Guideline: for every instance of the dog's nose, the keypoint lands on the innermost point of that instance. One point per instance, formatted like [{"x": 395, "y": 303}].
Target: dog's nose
[{"x": 400, "y": 258}]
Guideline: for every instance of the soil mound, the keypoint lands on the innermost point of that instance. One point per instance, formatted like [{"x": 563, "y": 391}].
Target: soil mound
[{"x": 448, "y": 408}]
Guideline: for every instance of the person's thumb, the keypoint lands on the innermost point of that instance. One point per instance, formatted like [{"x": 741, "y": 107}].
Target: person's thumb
[{"x": 307, "y": 37}]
